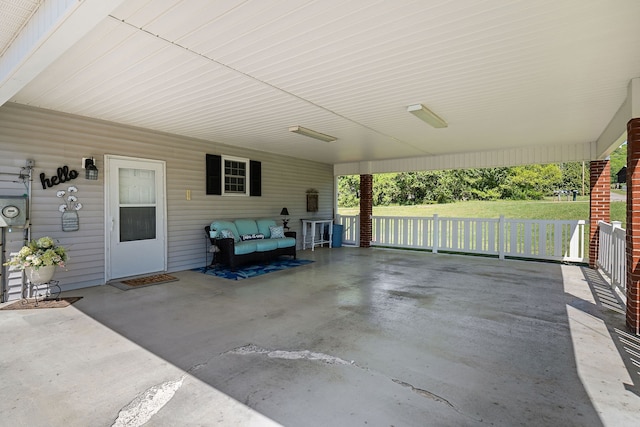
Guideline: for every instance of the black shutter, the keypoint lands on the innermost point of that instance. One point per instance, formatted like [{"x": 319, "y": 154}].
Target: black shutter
[
  {"x": 214, "y": 174},
  {"x": 255, "y": 171}
]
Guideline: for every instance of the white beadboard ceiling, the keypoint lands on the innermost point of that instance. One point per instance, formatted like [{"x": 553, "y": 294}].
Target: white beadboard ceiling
[
  {"x": 14, "y": 14},
  {"x": 503, "y": 74}
]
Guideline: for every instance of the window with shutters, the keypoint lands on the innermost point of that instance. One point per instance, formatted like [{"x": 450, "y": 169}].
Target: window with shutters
[
  {"x": 236, "y": 176},
  {"x": 233, "y": 176}
]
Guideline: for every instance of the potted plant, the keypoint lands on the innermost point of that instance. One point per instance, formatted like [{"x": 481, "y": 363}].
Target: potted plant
[{"x": 39, "y": 259}]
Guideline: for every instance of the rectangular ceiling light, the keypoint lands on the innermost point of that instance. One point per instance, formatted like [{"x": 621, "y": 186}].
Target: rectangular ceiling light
[
  {"x": 424, "y": 114},
  {"x": 312, "y": 133}
]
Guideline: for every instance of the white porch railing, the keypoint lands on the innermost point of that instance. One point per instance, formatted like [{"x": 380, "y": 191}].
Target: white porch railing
[
  {"x": 535, "y": 239},
  {"x": 612, "y": 260},
  {"x": 351, "y": 225}
]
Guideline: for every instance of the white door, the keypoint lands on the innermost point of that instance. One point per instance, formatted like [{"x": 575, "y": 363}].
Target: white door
[{"x": 135, "y": 217}]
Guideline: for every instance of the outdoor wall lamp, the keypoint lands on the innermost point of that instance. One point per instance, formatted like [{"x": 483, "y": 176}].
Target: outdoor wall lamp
[{"x": 91, "y": 169}]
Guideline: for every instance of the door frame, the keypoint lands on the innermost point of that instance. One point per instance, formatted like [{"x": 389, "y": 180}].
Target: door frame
[{"x": 108, "y": 274}]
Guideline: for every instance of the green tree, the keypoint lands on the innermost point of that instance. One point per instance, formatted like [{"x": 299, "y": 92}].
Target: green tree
[
  {"x": 532, "y": 181},
  {"x": 385, "y": 191},
  {"x": 477, "y": 184},
  {"x": 414, "y": 188},
  {"x": 572, "y": 174},
  {"x": 411, "y": 188},
  {"x": 348, "y": 191}
]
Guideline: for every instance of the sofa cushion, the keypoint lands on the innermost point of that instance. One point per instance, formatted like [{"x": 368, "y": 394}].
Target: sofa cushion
[
  {"x": 226, "y": 225},
  {"x": 286, "y": 242},
  {"x": 246, "y": 226},
  {"x": 263, "y": 226},
  {"x": 242, "y": 248},
  {"x": 266, "y": 245},
  {"x": 277, "y": 232}
]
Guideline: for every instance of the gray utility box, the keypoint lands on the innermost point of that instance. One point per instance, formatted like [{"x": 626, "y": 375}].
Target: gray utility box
[{"x": 13, "y": 211}]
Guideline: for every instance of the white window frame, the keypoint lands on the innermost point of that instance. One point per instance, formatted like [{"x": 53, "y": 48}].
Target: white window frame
[{"x": 247, "y": 178}]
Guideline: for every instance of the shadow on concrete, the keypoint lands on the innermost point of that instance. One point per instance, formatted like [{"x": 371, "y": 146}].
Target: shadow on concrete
[
  {"x": 361, "y": 336},
  {"x": 384, "y": 337},
  {"x": 611, "y": 310}
]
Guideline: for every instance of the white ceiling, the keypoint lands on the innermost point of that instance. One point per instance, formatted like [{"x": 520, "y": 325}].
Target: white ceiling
[
  {"x": 14, "y": 14},
  {"x": 503, "y": 74}
]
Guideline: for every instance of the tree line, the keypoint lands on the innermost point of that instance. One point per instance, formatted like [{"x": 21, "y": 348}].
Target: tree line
[
  {"x": 531, "y": 182},
  {"x": 528, "y": 182}
]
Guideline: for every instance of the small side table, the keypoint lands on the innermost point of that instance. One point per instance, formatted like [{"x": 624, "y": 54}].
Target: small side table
[{"x": 309, "y": 238}]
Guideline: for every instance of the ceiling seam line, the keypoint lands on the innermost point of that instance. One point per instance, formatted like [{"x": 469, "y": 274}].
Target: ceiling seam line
[{"x": 249, "y": 76}]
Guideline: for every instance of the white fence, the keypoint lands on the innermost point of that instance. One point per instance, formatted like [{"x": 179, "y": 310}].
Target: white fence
[
  {"x": 536, "y": 239},
  {"x": 351, "y": 226},
  {"x": 612, "y": 260}
]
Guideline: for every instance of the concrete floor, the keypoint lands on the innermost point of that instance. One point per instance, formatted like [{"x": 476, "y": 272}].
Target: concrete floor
[{"x": 360, "y": 337}]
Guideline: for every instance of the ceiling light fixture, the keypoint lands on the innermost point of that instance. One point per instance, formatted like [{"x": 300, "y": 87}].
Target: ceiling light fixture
[
  {"x": 312, "y": 133},
  {"x": 426, "y": 115}
]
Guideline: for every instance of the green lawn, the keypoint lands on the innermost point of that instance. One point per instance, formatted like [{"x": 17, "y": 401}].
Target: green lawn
[{"x": 539, "y": 209}]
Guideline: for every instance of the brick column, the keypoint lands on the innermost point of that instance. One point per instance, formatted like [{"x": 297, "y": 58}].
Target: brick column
[
  {"x": 366, "y": 210},
  {"x": 599, "y": 204},
  {"x": 633, "y": 225}
]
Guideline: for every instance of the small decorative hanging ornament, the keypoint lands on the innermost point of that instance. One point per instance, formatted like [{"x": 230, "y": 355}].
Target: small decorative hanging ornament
[{"x": 70, "y": 219}]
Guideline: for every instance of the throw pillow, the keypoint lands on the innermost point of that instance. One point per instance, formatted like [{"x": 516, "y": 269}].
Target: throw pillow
[
  {"x": 277, "y": 232},
  {"x": 227, "y": 234},
  {"x": 255, "y": 236}
]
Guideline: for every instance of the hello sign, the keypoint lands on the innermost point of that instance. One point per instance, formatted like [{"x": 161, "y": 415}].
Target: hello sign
[{"x": 64, "y": 175}]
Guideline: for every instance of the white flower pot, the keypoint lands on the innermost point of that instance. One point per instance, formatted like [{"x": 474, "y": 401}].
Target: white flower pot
[{"x": 40, "y": 275}]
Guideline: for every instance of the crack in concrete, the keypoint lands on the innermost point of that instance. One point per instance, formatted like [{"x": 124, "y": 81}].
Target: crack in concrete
[
  {"x": 198, "y": 366},
  {"x": 140, "y": 410},
  {"x": 424, "y": 393},
  {"x": 147, "y": 404},
  {"x": 432, "y": 396},
  {"x": 332, "y": 360}
]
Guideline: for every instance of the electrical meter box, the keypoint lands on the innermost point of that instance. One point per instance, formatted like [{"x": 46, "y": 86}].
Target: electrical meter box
[{"x": 13, "y": 211}]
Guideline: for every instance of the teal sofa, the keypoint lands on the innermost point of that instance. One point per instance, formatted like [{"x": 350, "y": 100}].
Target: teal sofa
[{"x": 244, "y": 241}]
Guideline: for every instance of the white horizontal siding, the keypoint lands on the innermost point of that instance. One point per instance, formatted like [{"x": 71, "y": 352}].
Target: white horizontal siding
[
  {"x": 54, "y": 140},
  {"x": 487, "y": 159}
]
